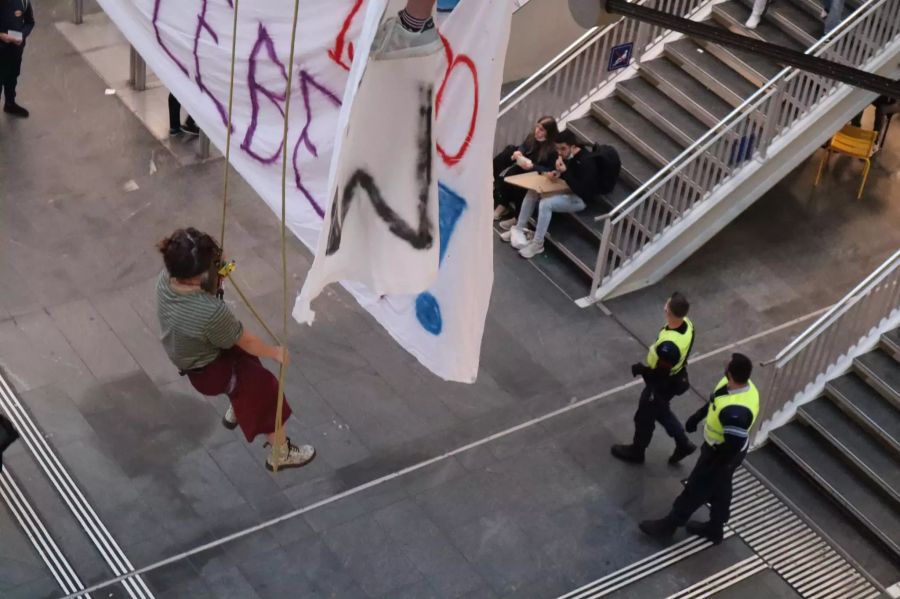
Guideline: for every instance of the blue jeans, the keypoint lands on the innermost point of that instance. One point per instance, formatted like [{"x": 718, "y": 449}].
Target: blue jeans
[
  {"x": 565, "y": 202},
  {"x": 835, "y": 9}
]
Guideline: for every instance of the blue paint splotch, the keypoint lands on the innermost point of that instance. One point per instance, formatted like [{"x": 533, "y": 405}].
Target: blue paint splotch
[
  {"x": 451, "y": 205},
  {"x": 428, "y": 311}
]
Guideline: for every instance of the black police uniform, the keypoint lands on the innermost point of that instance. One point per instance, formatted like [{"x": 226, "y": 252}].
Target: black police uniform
[
  {"x": 662, "y": 384},
  {"x": 15, "y": 15}
]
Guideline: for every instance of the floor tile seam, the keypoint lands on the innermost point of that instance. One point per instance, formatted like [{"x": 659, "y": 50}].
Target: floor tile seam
[{"x": 425, "y": 463}]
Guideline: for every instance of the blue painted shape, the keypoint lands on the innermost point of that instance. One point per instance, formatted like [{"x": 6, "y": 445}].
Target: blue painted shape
[
  {"x": 428, "y": 311},
  {"x": 620, "y": 56},
  {"x": 446, "y": 5},
  {"x": 451, "y": 205}
]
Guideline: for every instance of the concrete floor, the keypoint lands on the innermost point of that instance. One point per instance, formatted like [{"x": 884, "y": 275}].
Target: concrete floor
[{"x": 534, "y": 513}]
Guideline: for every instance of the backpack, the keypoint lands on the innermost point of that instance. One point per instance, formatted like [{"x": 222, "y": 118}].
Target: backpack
[{"x": 608, "y": 164}]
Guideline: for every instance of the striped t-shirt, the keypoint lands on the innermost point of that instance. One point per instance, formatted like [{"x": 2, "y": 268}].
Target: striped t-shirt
[{"x": 195, "y": 325}]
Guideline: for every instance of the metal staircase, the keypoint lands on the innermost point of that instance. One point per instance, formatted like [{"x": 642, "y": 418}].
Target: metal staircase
[
  {"x": 692, "y": 122},
  {"x": 832, "y": 421}
]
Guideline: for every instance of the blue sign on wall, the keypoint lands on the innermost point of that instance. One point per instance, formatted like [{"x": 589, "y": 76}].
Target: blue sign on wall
[{"x": 620, "y": 56}]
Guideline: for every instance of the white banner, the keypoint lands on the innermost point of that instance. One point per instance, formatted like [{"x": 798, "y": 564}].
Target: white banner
[{"x": 187, "y": 43}]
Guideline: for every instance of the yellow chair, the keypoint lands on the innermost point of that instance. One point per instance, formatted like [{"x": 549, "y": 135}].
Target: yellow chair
[{"x": 854, "y": 142}]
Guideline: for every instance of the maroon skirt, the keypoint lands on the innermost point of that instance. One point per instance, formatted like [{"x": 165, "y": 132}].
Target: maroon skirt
[{"x": 252, "y": 389}]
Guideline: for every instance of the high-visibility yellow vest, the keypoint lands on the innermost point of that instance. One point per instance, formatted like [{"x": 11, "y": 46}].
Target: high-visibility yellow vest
[
  {"x": 714, "y": 430},
  {"x": 682, "y": 341}
]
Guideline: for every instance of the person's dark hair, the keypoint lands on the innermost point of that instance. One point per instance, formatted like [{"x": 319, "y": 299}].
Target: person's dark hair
[
  {"x": 567, "y": 137},
  {"x": 740, "y": 368},
  {"x": 188, "y": 253},
  {"x": 542, "y": 149},
  {"x": 678, "y": 305}
]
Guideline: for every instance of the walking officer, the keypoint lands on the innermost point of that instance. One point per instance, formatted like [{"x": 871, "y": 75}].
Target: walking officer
[
  {"x": 16, "y": 23},
  {"x": 730, "y": 414},
  {"x": 665, "y": 376}
]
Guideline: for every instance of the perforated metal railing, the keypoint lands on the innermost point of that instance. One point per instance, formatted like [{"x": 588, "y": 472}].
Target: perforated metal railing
[
  {"x": 579, "y": 71},
  {"x": 743, "y": 135},
  {"x": 871, "y": 308}
]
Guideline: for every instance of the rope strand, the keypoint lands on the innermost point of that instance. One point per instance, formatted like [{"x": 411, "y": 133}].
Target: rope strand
[
  {"x": 230, "y": 125},
  {"x": 279, "y": 432}
]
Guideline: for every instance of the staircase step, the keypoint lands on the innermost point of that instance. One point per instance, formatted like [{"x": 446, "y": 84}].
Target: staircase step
[
  {"x": 867, "y": 407},
  {"x": 752, "y": 67},
  {"x": 710, "y": 71},
  {"x": 572, "y": 240},
  {"x": 685, "y": 91},
  {"x": 779, "y": 473},
  {"x": 635, "y": 168},
  {"x": 856, "y": 444},
  {"x": 601, "y": 207},
  {"x": 890, "y": 342},
  {"x": 640, "y": 133},
  {"x": 848, "y": 487},
  {"x": 882, "y": 372},
  {"x": 800, "y": 25},
  {"x": 733, "y": 15},
  {"x": 660, "y": 110}
]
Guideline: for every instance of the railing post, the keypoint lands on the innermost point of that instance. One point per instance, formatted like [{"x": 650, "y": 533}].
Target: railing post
[
  {"x": 137, "y": 71},
  {"x": 642, "y": 37},
  {"x": 203, "y": 150},
  {"x": 773, "y": 115},
  {"x": 78, "y": 12},
  {"x": 600, "y": 266}
]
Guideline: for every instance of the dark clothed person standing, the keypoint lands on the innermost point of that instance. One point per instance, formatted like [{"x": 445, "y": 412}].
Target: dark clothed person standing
[{"x": 16, "y": 24}]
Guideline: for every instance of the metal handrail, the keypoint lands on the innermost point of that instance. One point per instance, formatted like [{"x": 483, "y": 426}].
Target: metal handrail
[
  {"x": 518, "y": 93},
  {"x": 577, "y": 72},
  {"x": 823, "y": 322},
  {"x": 752, "y": 102},
  {"x": 745, "y": 134},
  {"x": 828, "y": 346}
]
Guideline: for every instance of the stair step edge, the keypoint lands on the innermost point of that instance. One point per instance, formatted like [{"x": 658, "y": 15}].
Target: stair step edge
[{"x": 892, "y": 544}]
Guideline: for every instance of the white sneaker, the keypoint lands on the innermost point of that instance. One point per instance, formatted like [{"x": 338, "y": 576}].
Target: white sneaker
[
  {"x": 531, "y": 250},
  {"x": 508, "y": 224},
  {"x": 393, "y": 41},
  {"x": 517, "y": 238},
  {"x": 291, "y": 456},
  {"x": 229, "y": 420},
  {"x": 753, "y": 21},
  {"x": 504, "y": 236}
]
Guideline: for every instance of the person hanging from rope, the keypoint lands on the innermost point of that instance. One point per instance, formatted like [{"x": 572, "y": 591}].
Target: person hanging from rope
[{"x": 212, "y": 348}]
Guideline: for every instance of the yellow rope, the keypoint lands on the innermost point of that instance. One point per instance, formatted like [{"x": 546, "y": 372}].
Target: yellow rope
[
  {"x": 279, "y": 433},
  {"x": 229, "y": 127},
  {"x": 282, "y": 342}
]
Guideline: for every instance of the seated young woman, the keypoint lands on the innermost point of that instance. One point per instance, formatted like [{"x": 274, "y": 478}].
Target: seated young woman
[{"x": 537, "y": 152}]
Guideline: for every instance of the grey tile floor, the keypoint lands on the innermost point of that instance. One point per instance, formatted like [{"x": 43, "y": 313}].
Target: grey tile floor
[{"x": 532, "y": 514}]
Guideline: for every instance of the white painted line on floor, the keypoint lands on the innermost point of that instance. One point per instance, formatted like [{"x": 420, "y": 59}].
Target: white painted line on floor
[
  {"x": 40, "y": 538},
  {"x": 424, "y": 464}
]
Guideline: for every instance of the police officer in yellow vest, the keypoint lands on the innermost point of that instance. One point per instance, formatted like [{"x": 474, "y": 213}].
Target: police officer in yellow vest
[
  {"x": 665, "y": 376},
  {"x": 730, "y": 414}
]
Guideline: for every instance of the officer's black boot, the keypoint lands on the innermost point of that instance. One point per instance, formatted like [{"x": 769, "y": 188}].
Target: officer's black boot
[
  {"x": 707, "y": 530},
  {"x": 660, "y": 529},
  {"x": 628, "y": 453},
  {"x": 682, "y": 450},
  {"x": 15, "y": 110}
]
